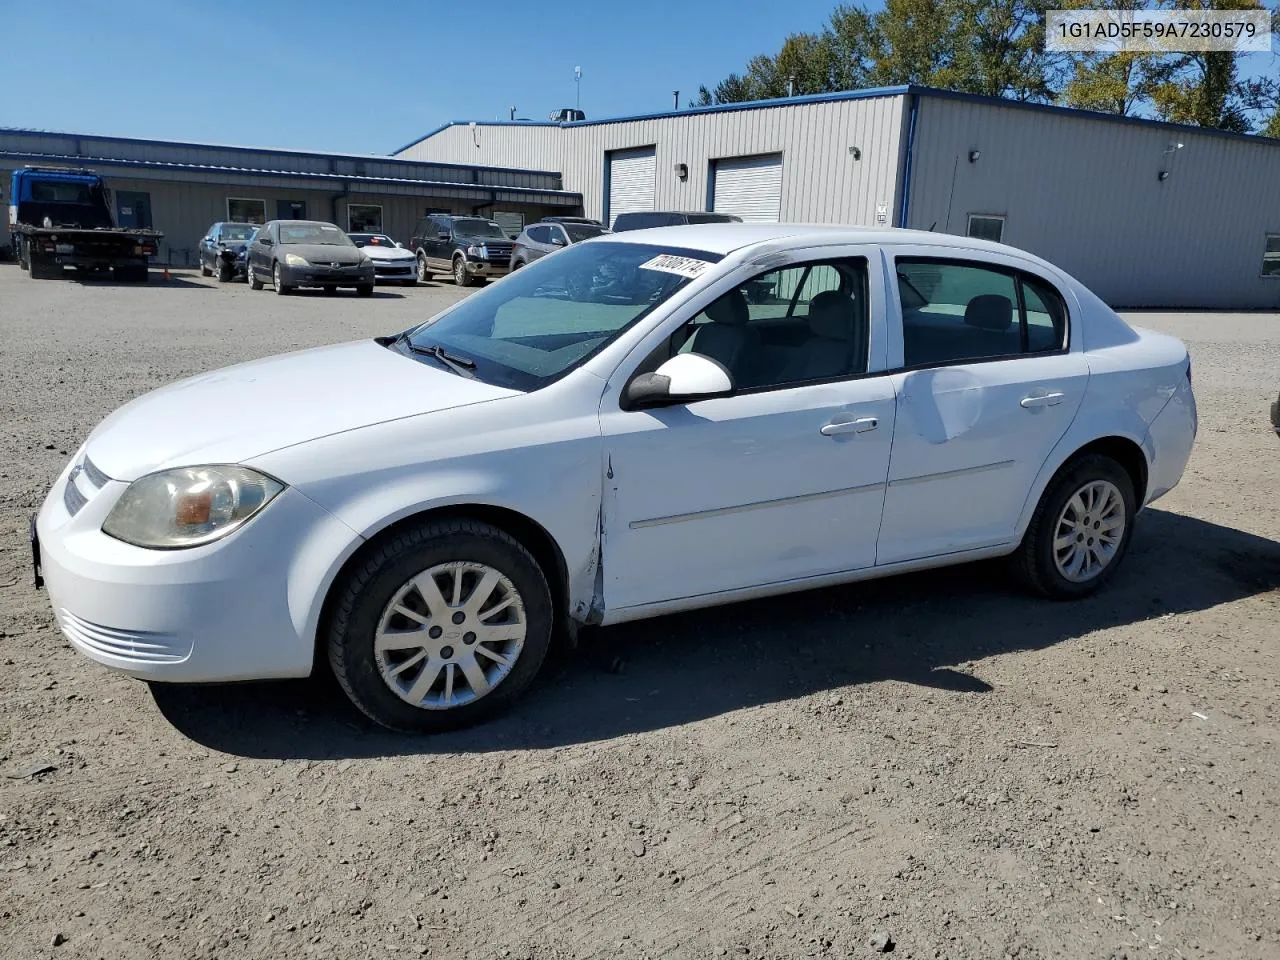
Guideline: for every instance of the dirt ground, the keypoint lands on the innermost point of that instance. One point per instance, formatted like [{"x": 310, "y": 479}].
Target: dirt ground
[{"x": 938, "y": 758}]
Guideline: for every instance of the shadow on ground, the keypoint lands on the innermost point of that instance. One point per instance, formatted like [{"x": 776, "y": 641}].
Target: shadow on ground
[{"x": 688, "y": 667}]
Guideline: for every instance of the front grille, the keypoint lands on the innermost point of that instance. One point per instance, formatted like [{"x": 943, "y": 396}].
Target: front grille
[
  {"x": 73, "y": 499},
  {"x": 397, "y": 268},
  {"x": 139, "y": 646}
]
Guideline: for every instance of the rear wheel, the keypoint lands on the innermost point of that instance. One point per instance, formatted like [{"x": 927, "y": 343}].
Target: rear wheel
[
  {"x": 251, "y": 276},
  {"x": 1080, "y": 530},
  {"x": 460, "y": 275},
  {"x": 441, "y": 625}
]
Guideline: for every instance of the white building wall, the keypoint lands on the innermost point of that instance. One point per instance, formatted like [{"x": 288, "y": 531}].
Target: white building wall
[
  {"x": 821, "y": 181},
  {"x": 1083, "y": 193}
]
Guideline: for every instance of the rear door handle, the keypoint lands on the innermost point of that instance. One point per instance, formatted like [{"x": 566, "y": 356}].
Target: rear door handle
[
  {"x": 861, "y": 425},
  {"x": 1042, "y": 400}
]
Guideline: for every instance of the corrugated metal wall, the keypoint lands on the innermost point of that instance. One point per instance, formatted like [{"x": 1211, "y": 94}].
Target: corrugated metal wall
[
  {"x": 821, "y": 182},
  {"x": 1084, "y": 194}
]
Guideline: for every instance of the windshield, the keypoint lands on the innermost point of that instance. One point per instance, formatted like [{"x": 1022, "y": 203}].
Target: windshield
[
  {"x": 582, "y": 231},
  {"x": 548, "y": 317},
  {"x": 323, "y": 234},
  {"x": 236, "y": 231},
  {"x": 475, "y": 227},
  {"x": 373, "y": 239}
]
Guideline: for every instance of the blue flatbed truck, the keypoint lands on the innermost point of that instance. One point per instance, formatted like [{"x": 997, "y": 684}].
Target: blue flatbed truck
[{"x": 61, "y": 218}]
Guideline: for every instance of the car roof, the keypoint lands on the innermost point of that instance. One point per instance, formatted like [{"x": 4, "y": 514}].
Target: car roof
[{"x": 726, "y": 238}]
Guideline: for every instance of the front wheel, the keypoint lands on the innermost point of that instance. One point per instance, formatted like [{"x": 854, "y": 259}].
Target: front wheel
[
  {"x": 1080, "y": 530},
  {"x": 279, "y": 283},
  {"x": 440, "y": 625},
  {"x": 251, "y": 276},
  {"x": 423, "y": 273},
  {"x": 226, "y": 272},
  {"x": 460, "y": 275}
]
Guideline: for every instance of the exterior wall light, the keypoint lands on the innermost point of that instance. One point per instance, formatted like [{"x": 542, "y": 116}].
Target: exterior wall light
[
  {"x": 974, "y": 155},
  {"x": 1162, "y": 176},
  {"x": 855, "y": 152},
  {"x": 682, "y": 170}
]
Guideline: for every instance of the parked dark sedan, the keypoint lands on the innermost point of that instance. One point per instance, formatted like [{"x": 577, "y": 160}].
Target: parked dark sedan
[
  {"x": 290, "y": 254},
  {"x": 222, "y": 251},
  {"x": 539, "y": 239}
]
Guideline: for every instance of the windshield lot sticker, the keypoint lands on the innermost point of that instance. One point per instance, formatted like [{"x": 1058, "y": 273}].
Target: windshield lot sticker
[{"x": 684, "y": 266}]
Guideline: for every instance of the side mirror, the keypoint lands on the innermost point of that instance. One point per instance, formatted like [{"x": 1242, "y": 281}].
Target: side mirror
[
  {"x": 265, "y": 241},
  {"x": 206, "y": 240},
  {"x": 557, "y": 241},
  {"x": 360, "y": 243},
  {"x": 399, "y": 245},
  {"x": 682, "y": 379}
]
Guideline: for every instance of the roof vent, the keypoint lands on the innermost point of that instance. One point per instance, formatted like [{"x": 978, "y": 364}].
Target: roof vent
[{"x": 566, "y": 115}]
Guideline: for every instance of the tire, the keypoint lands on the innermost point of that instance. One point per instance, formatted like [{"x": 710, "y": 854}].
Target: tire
[
  {"x": 251, "y": 276},
  {"x": 364, "y": 290},
  {"x": 225, "y": 272},
  {"x": 40, "y": 268},
  {"x": 282, "y": 290},
  {"x": 1043, "y": 561},
  {"x": 423, "y": 273},
  {"x": 460, "y": 275},
  {"x": 384, "y": 582}
]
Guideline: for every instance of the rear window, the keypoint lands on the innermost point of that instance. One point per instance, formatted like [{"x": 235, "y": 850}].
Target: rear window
[{"x": 53, "y": 191}]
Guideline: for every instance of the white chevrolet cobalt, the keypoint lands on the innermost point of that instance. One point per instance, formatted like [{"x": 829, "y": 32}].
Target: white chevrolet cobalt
[{"x": 647, "y": 422}]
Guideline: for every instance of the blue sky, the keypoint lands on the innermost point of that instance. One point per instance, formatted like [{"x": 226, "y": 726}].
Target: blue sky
[
  {"x": 275, "y": 72},
  {"x": 270, "y": 72}
]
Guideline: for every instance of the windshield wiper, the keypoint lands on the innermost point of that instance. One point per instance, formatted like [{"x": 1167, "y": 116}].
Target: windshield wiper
[{"x": 463, "y": 366}]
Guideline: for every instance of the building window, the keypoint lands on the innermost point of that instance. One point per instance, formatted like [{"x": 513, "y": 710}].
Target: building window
[
  {"x": 240, "y": 210},
  {"x": 510, "y": 222},
  {"x": 986, "y": 227},
  {"x": 364, "y": 218},
  {"x": 1271, "y": 256}
]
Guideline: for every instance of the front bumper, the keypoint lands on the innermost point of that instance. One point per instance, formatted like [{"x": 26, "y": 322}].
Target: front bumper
[
  {"x": 241, "y": 608},
  {"x": 401, "y": 270},
  {"x": 489, "y": 268},
  {"x": 322, "y": 275}
]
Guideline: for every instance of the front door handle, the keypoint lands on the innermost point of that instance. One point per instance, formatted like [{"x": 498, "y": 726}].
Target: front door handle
[
  {"x": 861, "y": 425},
  {"x": 1042, "y": 400}
]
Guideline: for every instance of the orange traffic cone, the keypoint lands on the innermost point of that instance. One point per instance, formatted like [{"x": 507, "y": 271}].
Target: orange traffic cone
[{"x": 166, "y": 273}]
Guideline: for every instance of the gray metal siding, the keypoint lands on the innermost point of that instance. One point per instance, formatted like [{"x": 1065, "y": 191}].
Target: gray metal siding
[
  {"x": 1084, "y": 194},
  {"x": 822, "y": 182}
]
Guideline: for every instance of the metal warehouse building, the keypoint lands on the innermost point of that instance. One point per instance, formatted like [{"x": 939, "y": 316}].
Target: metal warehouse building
[
  {"x": 1146, "y": 213},
  {"x": 182, "y": 188}
]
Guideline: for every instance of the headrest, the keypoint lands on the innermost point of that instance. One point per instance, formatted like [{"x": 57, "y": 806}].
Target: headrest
[
  {"x": 831, "y": 316},
  {"x": 731, "y": 309},
  {"x": 989, "y": 311}
]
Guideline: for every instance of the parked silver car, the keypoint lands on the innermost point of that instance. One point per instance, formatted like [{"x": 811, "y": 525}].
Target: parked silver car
[{"x": 548, "y": 236}]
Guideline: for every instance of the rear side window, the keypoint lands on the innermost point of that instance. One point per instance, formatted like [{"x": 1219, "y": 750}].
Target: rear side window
[
  {"x": 953, "y": 311},
  {"x": 540, "y": 234}
]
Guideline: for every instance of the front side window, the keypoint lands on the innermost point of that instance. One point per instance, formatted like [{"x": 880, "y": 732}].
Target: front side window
[
  {"x": 954, "y": 311},
  {"x": 986, "y": 227},
  {"x": 540, "y": 234},
  {"x": 789, "y": 326},
  {"x": 549, "y": 317},
  {"x": 1271, "y": 256},
  {"x": 475, "y": 227}
]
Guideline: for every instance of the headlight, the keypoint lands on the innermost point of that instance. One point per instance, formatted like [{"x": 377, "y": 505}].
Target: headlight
[
  {"x": 365, "y": 259},
  {"x": 188, "y": 506},
  {"x": 293, "y": 260},
  {"x": 476, "y": 251}
]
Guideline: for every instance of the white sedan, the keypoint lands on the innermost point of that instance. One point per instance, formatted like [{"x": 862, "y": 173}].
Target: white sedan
[
  {"x": 392, "y": 263},
  {"x": 648, "y": 422}
]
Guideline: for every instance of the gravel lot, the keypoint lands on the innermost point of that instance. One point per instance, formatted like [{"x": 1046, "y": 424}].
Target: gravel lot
[{"x": 937, "y": 758}]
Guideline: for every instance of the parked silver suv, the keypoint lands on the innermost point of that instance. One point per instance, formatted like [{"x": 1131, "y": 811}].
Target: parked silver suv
[{"x": 550, "y": 235}]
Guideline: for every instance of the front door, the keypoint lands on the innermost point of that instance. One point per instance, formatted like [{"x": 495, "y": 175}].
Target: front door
[
  {"x": 782, "y": 480},
  {"x": 988, "y": 388}
]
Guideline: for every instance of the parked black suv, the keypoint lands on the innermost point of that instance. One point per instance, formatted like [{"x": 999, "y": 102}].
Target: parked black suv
[
  {"x": 464, "y": 247},
  {"x": 668, "y": 218}
]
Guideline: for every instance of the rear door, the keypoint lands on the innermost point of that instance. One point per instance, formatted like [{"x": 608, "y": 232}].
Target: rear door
[{"x": 987, "y": 386}]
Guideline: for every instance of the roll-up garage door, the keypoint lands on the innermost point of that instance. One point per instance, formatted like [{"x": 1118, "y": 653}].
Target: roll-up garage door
[
  {"x": 633, "y": 175},
  {"x": 750, "y": 187}
]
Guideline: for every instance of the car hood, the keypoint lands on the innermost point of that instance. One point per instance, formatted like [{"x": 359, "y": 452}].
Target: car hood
[
  {"x": 387, "y": 253},
  {"x": 322, "y": 252},
  {"x": 481, "y": 241},
  {"x": 241, "y": 412}
]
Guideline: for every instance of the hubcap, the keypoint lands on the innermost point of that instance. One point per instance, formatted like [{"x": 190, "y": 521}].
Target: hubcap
[
  {"x": 450, "y": 635},
  {"x": 422, "y": 269},
  {"x": 1089, "y": 531},
  {"x": 459, "y": 271}
]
